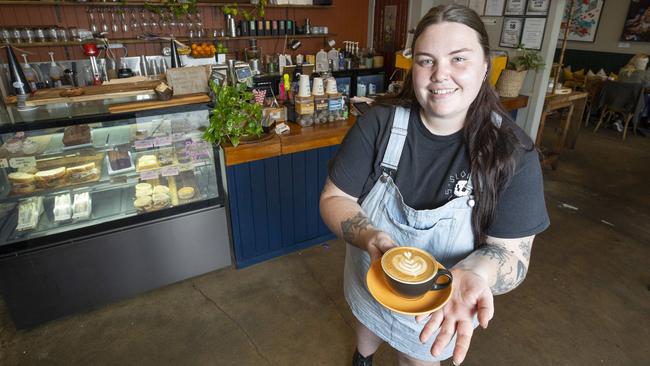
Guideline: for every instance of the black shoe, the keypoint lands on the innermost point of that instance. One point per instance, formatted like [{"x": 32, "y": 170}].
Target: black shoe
[{"x": 358, "y": 360}]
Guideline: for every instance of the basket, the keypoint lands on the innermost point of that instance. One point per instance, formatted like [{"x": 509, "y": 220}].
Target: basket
[{"x": 510, "y": 83}]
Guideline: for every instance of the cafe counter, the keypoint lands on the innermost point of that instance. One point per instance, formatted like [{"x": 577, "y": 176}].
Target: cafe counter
[{"x": 274, "y": 187}]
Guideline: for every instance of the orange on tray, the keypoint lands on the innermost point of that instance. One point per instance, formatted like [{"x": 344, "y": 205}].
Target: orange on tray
[{"x": 203, "y": 50}]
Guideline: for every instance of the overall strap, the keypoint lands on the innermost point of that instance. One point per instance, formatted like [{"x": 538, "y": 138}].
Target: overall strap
[{"x": 396, "y": 141}]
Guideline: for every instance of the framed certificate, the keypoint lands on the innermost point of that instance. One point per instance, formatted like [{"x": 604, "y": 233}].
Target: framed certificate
[
  {"x": 511, "y": 32},
  {"x": 477, "y": 5},
  {"x": 533, "y": 33},
  {"x": 494, "y": 8},
  {"x": 538, "y": 7},
  {"x": 515, "y": 7}
]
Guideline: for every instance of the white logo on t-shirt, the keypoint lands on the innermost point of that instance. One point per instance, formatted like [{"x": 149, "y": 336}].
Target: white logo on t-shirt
[{"x": 461, "y": 189}]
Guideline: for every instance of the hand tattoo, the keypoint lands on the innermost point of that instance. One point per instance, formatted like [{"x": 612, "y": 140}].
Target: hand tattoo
[{"x": 354, "y": 226}]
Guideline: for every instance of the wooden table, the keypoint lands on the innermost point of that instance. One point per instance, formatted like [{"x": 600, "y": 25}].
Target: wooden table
[{"x": 570, "y": 126}]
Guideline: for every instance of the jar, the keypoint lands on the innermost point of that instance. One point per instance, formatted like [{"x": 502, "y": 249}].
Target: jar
[
  {"x": 321, "y": 110},
  {"x": 5, "y": 35},
  {"x": 53, "y": 34},
  {"x": 28, "y": 35},
  {"x": 304, "y": 111},
  {"x": 62, "y": 34},
  {"x": 335, "y": 107},
  {"x": 15, "y": 35},
  {"x": 40, "y": 35}
]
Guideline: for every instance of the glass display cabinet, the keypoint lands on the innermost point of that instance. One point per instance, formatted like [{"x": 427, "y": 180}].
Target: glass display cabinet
[{"x": 95, "y": 207}]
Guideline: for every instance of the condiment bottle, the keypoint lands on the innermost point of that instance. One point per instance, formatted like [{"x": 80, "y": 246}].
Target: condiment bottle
[{"x": 56, "y": 72}]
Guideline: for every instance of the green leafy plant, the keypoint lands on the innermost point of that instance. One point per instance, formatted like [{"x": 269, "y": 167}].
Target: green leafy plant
[
  {"x": 234, "y": 115},
  {"x": 526, "y": 60},
  {"x": 177, "y": 8},
  {"x": 257, "y": 11}
]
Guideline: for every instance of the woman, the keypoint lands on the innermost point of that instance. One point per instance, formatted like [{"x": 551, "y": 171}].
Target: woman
[{"x": 451, "y": 174}]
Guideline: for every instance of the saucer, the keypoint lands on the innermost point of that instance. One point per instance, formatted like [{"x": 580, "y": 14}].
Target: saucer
[{"x": 381, "y": 291}]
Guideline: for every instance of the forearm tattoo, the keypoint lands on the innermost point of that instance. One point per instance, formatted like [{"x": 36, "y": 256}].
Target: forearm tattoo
[
  {"x": 354, "y": 226},
  {"x": 511, "y": 268}
]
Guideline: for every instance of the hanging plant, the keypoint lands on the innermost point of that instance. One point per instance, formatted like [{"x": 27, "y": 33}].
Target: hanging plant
[
  {"x": 177, "y": 8},
  {"x": 257, "y": 11}
]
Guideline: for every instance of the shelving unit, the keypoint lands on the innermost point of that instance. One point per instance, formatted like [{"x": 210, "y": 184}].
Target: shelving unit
[
  {"x": 181, "y": 39},
  {"x": 142, "y": 3}
]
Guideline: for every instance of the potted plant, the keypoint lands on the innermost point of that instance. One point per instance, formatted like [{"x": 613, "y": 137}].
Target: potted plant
[
  {"x": 512, "y": 78},
  {"x": 235, "y": 115}
]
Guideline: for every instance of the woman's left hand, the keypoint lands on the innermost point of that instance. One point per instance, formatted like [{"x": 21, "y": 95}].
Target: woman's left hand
[{"x": 471, "y": 295}]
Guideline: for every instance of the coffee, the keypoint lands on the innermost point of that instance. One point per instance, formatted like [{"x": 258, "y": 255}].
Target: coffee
[
  {"x": 412, "y": 272},
  {"x": 408, "y": 264}
]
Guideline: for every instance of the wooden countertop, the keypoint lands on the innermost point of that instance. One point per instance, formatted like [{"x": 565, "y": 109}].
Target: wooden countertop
[{"x": 313, "y": 137}]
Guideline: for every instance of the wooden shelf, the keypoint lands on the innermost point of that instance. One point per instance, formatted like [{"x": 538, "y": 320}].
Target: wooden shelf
[
  {"x": 142, "y": 3},
  {"x": 181, "y": 39}
]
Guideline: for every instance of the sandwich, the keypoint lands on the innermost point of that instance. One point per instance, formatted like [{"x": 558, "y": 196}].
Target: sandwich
[
  {"x": 160, "y": 189},
  {"x": 82, "y": 173},
  {"x": 143, "y": 203},
  {"x": 160, "y": 200},
  {"x": 147, "y": 162},
  {"x": 50, "y": 178},
  {"x": 21, "y": 183}
]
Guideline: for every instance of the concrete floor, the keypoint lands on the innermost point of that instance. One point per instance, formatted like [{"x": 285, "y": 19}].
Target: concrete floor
[{"x": 586, "y": 300}]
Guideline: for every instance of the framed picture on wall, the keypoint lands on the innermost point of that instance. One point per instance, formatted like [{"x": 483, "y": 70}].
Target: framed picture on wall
[
  {"x": 584, "y": 23},
  {"x": 515, "y": 7},
  {"x": 538, "y": 7},
  {"x": 533, "y": 33},
  {"x": 494, "y": 8},
  {"x": 637, "y": 23},
  {"x": 511, "y": 32}
]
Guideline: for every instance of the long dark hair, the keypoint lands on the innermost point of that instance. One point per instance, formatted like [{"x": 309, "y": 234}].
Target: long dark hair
[{"x": 490, "y": 146}]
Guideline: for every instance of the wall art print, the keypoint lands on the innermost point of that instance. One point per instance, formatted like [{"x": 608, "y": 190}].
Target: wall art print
[
  {"x": 637, "y": 23},
  {"x": 584, "y": 23}
]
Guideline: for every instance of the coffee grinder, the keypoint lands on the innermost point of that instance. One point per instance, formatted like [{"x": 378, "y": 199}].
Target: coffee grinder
[
  {"x": 90, "y": 50},
  {"x": 253, "y": 56}
]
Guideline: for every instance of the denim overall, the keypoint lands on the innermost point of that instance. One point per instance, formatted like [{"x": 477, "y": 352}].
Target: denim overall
[{"x": 445, "y": 232}]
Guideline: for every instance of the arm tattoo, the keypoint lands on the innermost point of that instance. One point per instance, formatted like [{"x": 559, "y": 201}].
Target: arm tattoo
[
  {"x": 525, "y": 246},
  {"x": 494, "y": 251},
  {"x": 354, "y": 226}
]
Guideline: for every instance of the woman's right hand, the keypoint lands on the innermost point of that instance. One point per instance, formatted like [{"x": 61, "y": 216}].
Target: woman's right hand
[{"x": 377, "y": 243}]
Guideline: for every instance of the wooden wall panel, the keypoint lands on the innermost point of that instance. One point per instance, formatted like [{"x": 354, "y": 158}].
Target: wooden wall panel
[{"x": 347, "y": 19}]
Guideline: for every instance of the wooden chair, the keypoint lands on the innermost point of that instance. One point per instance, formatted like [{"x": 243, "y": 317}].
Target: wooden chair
[{"x": 621, "y": 98}]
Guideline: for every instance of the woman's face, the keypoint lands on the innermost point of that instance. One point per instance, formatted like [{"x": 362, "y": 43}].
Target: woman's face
[{"x": 448, "y": 70}]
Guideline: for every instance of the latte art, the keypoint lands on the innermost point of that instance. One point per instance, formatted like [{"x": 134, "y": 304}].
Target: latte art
[{"x": 410, "y": 264}]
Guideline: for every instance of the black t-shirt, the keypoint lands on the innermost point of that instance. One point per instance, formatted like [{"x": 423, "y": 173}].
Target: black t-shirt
[{"x": 435, "y": 169}]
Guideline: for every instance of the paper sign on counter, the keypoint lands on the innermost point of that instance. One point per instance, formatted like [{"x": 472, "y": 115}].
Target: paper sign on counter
[
  {"x": 163, "y": 141},
  {"x": 143, "y": 144},
  {"x": 150, "y": 174},
  {"x": 169, "y": 171},
  {"x": 24, "y": 162}
]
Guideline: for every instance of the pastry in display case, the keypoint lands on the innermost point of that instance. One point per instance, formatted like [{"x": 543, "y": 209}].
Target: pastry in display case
[{"x": 85, "y": 174}]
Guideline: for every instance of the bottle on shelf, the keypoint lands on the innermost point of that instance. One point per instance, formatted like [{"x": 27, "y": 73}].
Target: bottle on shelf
[
  {"x": 333, "y": 58},
  {"x": 56, "y": 72},
  {"x": 30, "y": 73},
  {"x": 321, "y": 61}
]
